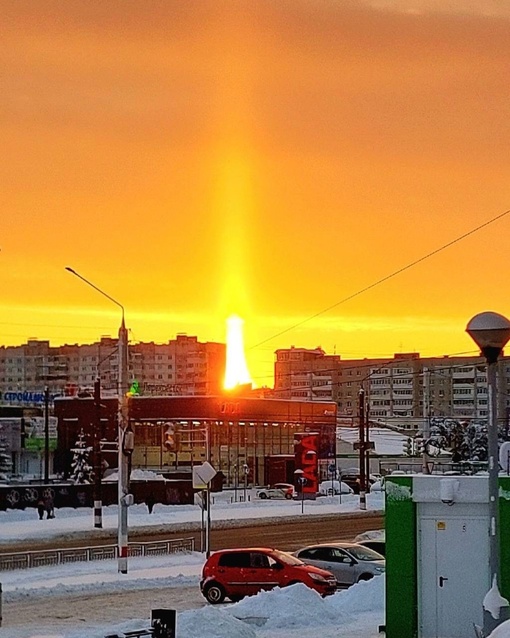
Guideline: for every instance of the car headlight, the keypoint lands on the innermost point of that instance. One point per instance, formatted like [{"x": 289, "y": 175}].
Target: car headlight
[
  {"x": 318, "y": 578},
  {"x": 380, "y": 569}
]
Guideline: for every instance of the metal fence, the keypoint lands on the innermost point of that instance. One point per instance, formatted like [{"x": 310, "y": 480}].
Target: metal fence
[{"x": 40, "y": 558}]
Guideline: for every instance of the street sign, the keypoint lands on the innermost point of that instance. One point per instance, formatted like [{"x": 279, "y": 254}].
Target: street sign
[{"x": 203, "y": 475}]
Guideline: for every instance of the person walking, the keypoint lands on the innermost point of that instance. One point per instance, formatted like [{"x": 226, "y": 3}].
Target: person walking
[
  {"x": 150, "y": 502},
  {"x": 40, "y": 508},
  {"x": 49, "y": 506}
]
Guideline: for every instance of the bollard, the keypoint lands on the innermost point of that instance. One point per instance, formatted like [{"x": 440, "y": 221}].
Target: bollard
[
  {"x": 0, "y": 604},
  {"x": 163, "y": 623}
]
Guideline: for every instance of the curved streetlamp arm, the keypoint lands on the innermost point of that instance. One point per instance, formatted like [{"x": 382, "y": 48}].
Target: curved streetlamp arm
[{"x": 77, "y": 274}]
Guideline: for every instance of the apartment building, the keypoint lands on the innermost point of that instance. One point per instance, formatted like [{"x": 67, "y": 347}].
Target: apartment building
[
  {"x": 403, "y": 389},
  {"x": 306, "y": 375},
  {"x": 183, "y": 366}
]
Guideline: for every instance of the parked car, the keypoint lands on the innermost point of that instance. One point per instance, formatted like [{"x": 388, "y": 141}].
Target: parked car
[
  {"x": 278, "y": 490},
  {"x": 349, "y": 562},
  {"x": 374, "y": 539},
  {"x": 377, "y": 544},
  {"x": 377, "y": 486},
  {"x": 353, "y": 480},
  {"x": 236, "y": 573},
  {"x": 327, "y": 488}
]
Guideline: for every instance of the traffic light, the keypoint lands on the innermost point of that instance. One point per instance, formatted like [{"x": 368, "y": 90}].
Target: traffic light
[
  {"x": 419, "y": 445},
  {"x": 408, "y": 447}
]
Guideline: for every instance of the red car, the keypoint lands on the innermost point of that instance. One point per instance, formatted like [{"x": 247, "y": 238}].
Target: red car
[{"x": 236, "y": 573}]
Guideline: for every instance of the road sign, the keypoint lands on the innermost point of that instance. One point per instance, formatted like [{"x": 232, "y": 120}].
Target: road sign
[
  {"x": 203, "y": 475},
  {"x": 332, "y": 468}
]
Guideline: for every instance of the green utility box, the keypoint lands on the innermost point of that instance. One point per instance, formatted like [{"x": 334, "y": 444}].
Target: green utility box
[{"x": 437, "y": 553}]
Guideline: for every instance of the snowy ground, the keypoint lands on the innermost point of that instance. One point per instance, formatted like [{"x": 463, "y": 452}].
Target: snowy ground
[{"x": 295, "y": 612}]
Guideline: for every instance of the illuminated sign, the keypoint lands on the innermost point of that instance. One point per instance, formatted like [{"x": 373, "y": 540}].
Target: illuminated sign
[
  {"x": 25, "y": 396},
  {"x": 306, "y": 459}
]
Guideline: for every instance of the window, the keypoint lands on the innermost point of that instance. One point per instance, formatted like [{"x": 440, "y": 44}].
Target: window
[
  {"x": 259, "y": 560},
  {"x": 236, "y": 559}
]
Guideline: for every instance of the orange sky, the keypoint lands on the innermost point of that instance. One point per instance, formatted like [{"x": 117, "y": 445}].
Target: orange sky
[{"x": 267, "y": 158}]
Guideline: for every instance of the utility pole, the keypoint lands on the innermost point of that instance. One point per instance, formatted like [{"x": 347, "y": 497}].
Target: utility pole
[
  {"x": 98, "y": 496},
  {"x": 362, "y": 474},
  {"x": 426, "y": 421},
  {"x": 367, "y": 450},
  {"x": 46, "y": 435},
  {"x": 125, "y": 445}
]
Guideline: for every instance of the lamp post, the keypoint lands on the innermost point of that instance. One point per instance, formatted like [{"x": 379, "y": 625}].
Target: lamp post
[
  {"x": 491, "y": 331},
  {"x": 299, "y": 474},
  {"x": 46, "y": 435},
  {"x": 246, "y": 471},
  {"x": 125, "y": 438}
]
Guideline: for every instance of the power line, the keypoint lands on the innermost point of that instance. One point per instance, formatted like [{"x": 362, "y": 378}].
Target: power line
[{"x": 386, "y": 278}]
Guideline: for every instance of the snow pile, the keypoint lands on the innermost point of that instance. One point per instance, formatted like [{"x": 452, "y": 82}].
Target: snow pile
[
  {"x": 211, "y": 622},
  {"x": 502, "y": 631},
  {"x": 294, "y": 606},
  {"x": 298, "y": 606},
  {"x": 136, "y": 475},
  {"x": 368, "y": 595}
]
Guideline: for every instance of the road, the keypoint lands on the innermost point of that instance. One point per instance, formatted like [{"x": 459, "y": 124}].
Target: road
[
  {"x": 288, "y": 534},
  {"x": 70, "y": 611}
]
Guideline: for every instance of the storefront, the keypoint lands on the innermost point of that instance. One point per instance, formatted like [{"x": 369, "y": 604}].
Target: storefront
[{"x": 236, "y": 435}]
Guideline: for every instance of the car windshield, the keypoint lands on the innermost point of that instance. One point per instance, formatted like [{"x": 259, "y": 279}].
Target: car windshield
[
  {"x": 288, "y": 559},
  {"x": 364, "y": 553}
]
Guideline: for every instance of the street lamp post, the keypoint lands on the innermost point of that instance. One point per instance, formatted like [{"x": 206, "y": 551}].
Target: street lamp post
[
  {"x": 246, "y": 471},
  {"x": 491, "y": 331},
  {"x": 125, "y": 438},
  {"x": 299, "y": 474},
  {"x": 46, "y": 435},
  {"x": 98, "y": 488}
]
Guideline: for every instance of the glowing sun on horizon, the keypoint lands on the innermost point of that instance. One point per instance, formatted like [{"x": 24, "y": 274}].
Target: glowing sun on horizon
[{"x": 236, "y": 372}]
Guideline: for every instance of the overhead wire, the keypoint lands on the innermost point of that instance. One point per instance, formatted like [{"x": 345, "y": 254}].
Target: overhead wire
[{"x": 386, "y": 277}]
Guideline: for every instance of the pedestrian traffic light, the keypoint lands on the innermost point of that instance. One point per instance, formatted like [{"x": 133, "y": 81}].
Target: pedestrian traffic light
[{"x": 408, "y": 446}]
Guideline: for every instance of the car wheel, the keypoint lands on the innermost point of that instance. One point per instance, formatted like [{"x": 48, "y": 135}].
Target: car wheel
[
  {"x": 288, "y": 496},
  {"x": 365, "y": 577},
  {"x": 262, "y": 495},
  {"x": 214, "y": 593},
  {"x": 236, "y": 599}
]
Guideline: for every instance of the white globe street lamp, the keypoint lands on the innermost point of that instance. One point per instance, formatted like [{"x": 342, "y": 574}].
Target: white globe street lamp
[{"x": 491, "y": 331}]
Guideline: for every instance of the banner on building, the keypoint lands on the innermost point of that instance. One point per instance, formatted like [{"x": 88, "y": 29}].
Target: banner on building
[{"x": 307, "y": 461}]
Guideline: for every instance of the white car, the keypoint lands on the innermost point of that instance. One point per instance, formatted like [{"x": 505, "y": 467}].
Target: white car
[
  {"x": 378, "y": 486},
  {"x": 278, "y": 490},
  {"x": 328, "y": 488}
]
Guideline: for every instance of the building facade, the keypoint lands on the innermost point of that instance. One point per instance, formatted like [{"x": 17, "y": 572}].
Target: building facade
[
  {"x": 183, "y": 366},
  {"x": 404, "y": 389},
  {"x": 238, "y": 435}
]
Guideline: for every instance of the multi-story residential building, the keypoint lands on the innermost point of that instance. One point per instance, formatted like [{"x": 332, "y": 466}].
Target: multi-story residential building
[
  {"x": 182, "y": 366},
  {"x": 303, "y": 374},
  {"x": 404, "y": 389}
]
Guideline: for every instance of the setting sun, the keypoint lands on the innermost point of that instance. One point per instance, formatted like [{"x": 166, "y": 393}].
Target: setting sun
[{"x": 236, "y": 373}]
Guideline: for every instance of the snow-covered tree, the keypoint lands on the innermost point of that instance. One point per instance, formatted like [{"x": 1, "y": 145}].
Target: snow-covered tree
[
  {"x": 81, "y": 470},
  {"x": 467, "y": 441}
]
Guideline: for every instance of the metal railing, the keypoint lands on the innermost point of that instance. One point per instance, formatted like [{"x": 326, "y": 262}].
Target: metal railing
[{"x": 40, "y": 558}]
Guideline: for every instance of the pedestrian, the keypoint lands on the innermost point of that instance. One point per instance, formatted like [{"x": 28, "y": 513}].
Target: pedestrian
[
  {"x": 150, "y": 501},
  {"x": 40, "y": 508},
  {"x": 49, "y": 506}
]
